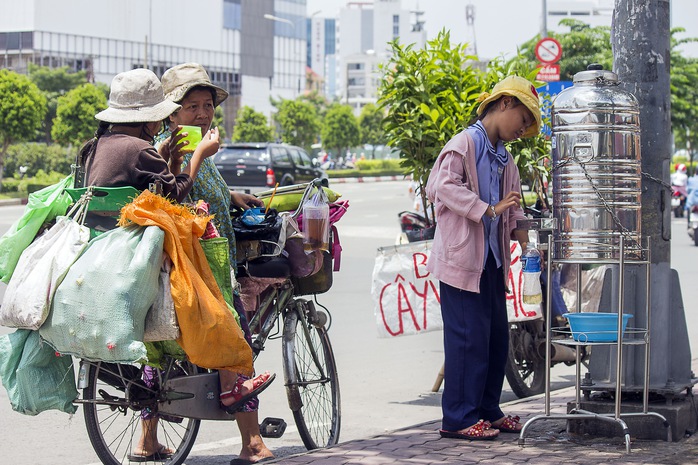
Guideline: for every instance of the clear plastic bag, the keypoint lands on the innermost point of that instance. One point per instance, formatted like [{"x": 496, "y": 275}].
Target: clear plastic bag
[{"x": 316, "y": 222}]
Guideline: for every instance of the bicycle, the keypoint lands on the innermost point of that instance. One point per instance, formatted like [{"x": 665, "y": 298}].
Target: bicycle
[{"x": 114, "y": 395}]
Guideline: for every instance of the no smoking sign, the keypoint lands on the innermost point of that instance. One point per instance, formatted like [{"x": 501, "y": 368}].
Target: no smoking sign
[{"x": 548, "y": 50}]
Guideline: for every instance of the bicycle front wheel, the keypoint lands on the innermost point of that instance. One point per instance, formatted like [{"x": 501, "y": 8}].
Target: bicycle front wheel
[
  {"x": 115, "y": 402},
  {"x": 312, "y": 385}
]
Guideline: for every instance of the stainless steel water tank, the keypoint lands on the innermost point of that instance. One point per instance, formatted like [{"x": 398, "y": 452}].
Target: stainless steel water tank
[{"x": 596, "y": 168}]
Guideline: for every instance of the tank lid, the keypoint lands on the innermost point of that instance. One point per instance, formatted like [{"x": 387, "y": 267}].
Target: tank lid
[{"x": 595, "y": 74}]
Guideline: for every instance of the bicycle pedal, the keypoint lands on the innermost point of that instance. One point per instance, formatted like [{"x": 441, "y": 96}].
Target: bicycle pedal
[{"x": 272, "y": 427}]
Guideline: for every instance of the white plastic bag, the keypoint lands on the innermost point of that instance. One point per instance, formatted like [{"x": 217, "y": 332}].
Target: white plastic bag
[
  {"x": 161, "y": 320},
  {"x": 40, "y": 269}
]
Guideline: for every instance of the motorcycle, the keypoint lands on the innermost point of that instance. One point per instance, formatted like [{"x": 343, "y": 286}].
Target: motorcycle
[
  {"x": 415, "y": 227},
  {"x": 678, "y": 200}
]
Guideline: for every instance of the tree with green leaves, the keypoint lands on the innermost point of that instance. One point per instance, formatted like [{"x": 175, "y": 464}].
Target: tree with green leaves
[
  {"x": 75, "y": 115},
  {"x": 371, "y": 126},
  {"x": 22, "y": 110},
  {"x": 318, "y": 100},
  {"x": 340, "y": 130},
  {"x": 684, "y": 94},
  {"x": 299, "y": 123},
  {"x": 584, "y": 45},
  {"x": 53, "y": 83},
  {"x": 581, "y": 46},
  {"x": 252, "y": 126},
  {"x": 218, "y": 117},
  {"x": 429, "y": 95}
]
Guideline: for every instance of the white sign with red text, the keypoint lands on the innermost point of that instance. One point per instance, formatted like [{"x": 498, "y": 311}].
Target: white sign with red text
[{"x": 406, "y": 296}]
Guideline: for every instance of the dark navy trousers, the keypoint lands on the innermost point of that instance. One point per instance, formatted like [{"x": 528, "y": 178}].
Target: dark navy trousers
[{"x": 476, "y": 344}]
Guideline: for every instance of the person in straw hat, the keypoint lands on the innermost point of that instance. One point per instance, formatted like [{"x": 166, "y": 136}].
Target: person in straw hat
[
  {"x": 189, "y": 85},
  {"x": 475, "y": 188},
  {"x": 122, "y": 154}
]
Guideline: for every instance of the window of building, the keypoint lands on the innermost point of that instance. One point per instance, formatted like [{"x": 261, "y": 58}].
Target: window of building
[
  {"x": 232, "y": 14},
  {"x": 396, "y": 26},
  {"x": 16, "y": 40}
]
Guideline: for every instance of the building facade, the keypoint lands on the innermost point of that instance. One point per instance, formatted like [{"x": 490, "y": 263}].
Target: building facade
[
  {"x": 255, "y": 49},
  {"x": 592, "y": 12}
]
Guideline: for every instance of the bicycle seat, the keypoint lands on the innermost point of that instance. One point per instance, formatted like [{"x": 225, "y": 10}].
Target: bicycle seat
[{"x": 276, "y": 267}]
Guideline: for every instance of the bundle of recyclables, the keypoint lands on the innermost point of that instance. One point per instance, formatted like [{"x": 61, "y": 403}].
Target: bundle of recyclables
[
  {"x": 296, "y": 227},
  {"x": 95, "y": 298}
]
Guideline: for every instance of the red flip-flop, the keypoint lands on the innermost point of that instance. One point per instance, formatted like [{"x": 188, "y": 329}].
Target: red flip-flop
[
  {"x": 510, "y": 424},
  {"x": 260, "y": 383},
  {"x": 480, "y": 431}
]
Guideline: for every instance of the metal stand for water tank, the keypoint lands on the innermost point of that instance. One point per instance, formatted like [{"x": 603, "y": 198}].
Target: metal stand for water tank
[{"x": 632, "y": 336}]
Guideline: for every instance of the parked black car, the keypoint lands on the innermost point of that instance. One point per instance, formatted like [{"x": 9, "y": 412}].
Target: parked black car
[{"x": 253, "y": 167}]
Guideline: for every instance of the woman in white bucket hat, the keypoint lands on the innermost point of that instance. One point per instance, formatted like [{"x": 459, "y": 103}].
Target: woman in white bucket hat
[{"x": 122, "y": 154}]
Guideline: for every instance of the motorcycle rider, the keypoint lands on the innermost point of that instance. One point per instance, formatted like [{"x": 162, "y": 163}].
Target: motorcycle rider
[
  {"x": 680, "y": 176},
  {"x": 691, "y": 194}
]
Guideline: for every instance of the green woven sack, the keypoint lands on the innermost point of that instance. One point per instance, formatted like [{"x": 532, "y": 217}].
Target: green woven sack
[
  {"x": 43, "y": 206},
  {"x": 36, "y": 379}
]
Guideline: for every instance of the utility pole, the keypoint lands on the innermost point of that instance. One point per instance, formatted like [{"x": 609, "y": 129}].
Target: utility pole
[{"x": 640, "y": 38}]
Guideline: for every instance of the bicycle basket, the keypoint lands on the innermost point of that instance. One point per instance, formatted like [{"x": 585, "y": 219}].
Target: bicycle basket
[
  {"x": 258, "y": 241},
  {"x": 316, "y": 283}
]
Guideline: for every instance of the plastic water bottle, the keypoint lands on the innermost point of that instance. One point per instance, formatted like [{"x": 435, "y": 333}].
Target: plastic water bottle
[{"x": 530, "y": 265}]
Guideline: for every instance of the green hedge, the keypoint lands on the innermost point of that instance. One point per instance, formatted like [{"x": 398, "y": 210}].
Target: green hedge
[{"x": 389, "y": 167}]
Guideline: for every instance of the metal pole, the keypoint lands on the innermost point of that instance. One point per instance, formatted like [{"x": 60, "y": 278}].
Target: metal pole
[
  {"x": 544, "y": 31},
  {"x": 646, "y": 391},
  {"x": 619, "y": 341},
  {"x": 548, "y": 323}
]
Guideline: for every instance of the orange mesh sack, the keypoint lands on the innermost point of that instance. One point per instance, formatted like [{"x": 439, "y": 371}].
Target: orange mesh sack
[{"x": 210, "y": 336}]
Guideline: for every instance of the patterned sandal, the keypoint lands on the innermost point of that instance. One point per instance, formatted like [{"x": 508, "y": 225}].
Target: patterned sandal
[
  {"x": 480, "y": 431},
  {"x": 510, "y": 424},
  {"x": 260, "y": 383}
]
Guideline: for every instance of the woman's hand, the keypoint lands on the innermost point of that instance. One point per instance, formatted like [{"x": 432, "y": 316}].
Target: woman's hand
[
  {"x": 512, "y": 199},
  {"x": 245, "y": 201},
  {"x": 171, "y": 149},
  {"x": 210, "y": 143}
]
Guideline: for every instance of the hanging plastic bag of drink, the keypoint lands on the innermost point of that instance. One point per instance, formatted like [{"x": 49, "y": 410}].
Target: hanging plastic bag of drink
[{"x": 316, "y": 222}]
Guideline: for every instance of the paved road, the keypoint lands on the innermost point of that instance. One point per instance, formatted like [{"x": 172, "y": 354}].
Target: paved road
[{"x": 384, "y": 383}]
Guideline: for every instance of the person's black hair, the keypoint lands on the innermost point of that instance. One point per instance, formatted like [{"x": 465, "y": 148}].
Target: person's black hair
[
  {"x": 88, "y": 148},
  {"x": 202, "y": 87}
]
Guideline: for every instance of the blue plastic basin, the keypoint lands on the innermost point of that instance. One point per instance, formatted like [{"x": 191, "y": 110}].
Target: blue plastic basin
[{"x": 595, "y": 327}]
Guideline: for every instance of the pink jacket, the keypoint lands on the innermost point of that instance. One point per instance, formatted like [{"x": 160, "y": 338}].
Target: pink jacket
[{"x": 457, "y": 253}]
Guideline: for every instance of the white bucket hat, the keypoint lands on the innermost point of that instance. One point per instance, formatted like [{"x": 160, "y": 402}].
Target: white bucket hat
[
  {"x": 180, "y": 79},
  {"x": 136, "y": 96}
]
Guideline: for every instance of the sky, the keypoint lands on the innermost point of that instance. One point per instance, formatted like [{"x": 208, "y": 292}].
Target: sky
[{"x": 501, "y": 25}]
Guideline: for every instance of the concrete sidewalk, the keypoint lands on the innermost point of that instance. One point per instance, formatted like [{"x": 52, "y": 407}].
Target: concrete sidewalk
[{"x": 547, "y": 442}]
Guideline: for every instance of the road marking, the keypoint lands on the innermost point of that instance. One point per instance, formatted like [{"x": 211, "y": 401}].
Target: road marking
[{"x": 218, "y": 444}]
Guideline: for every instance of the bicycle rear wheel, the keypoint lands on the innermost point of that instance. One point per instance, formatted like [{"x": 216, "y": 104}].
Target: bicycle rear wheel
[
  {"x": 113, "y": 401},
  {"x": 312, "y": 384}
]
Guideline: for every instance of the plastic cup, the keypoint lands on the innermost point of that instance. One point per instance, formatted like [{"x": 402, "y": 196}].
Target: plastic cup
[{"x": 193, "y": 137}]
